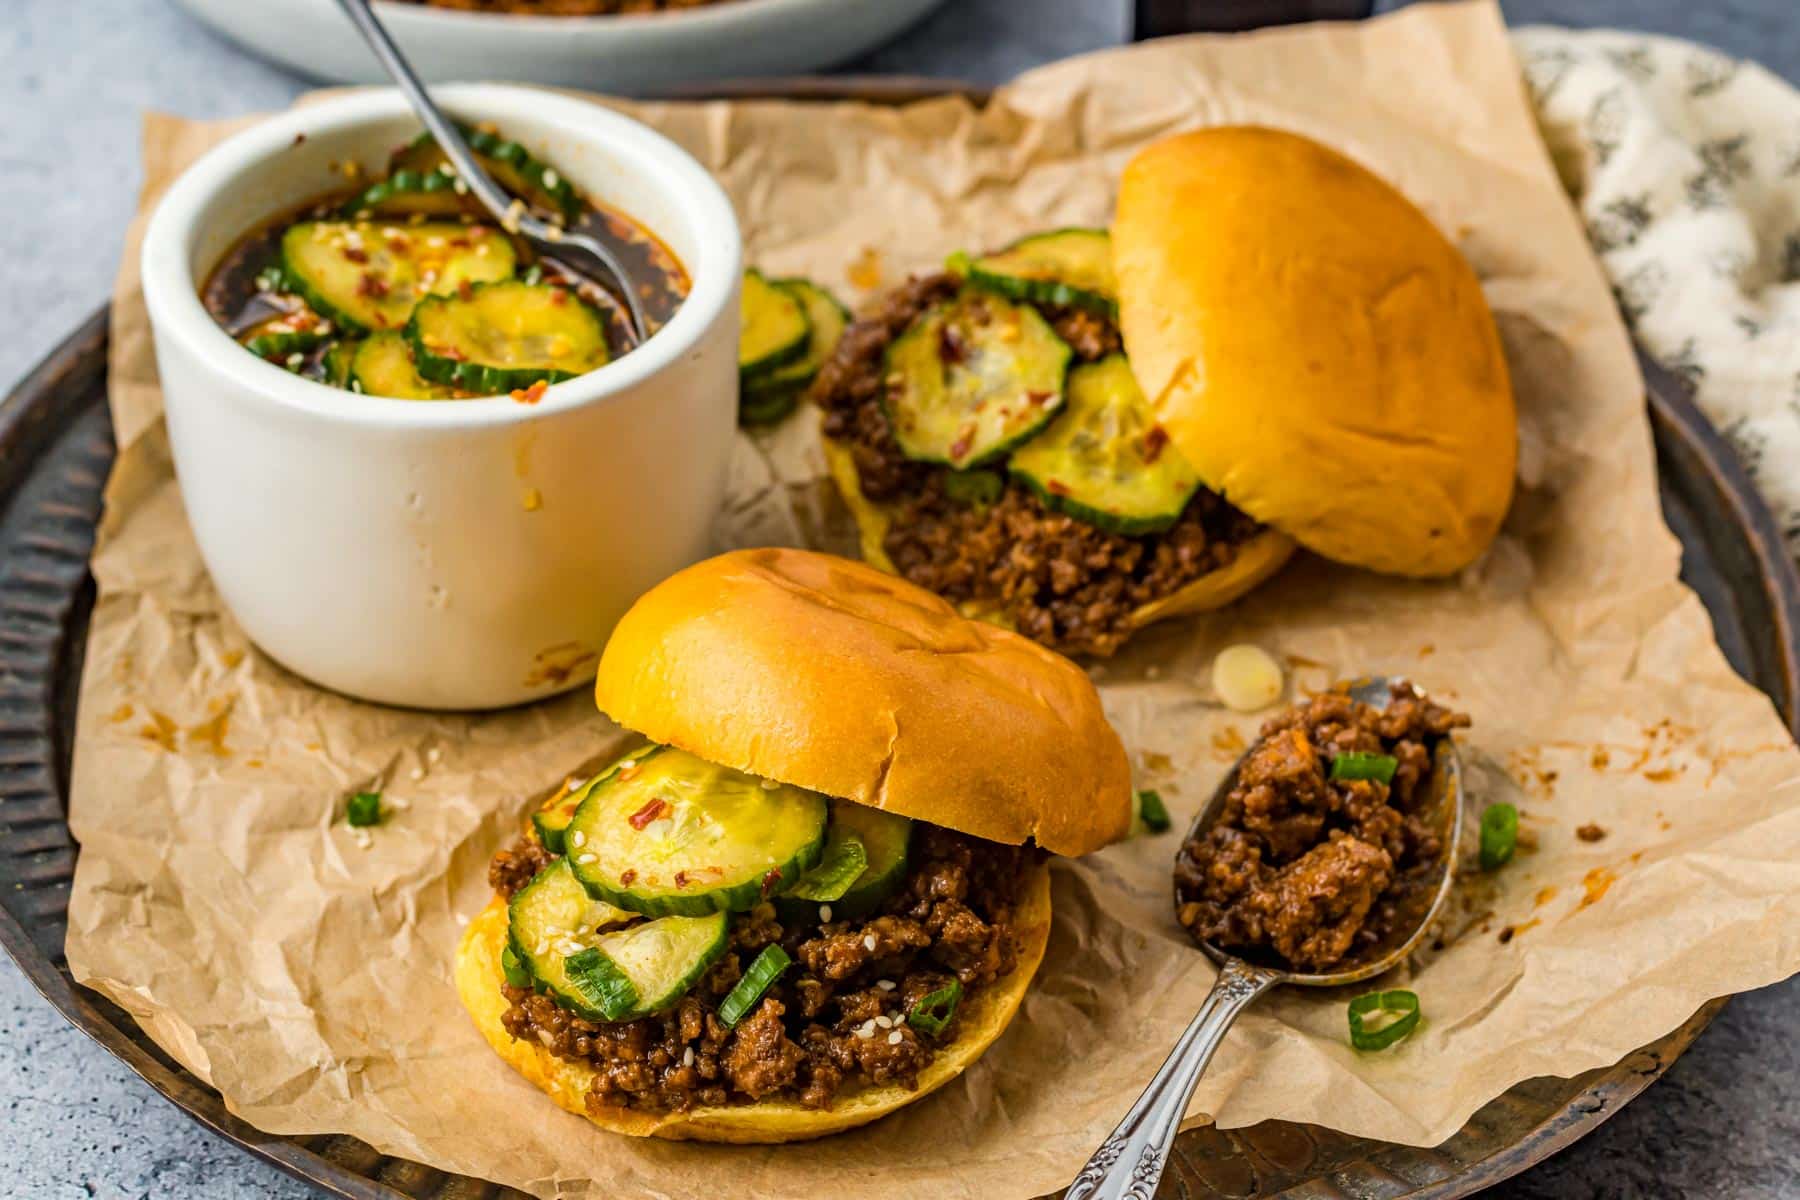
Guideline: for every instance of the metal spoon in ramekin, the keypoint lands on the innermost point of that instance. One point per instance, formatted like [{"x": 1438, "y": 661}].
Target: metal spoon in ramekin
[
  {"x": 582, "y": 254},
  {"x": 1129, "y": 1163}
]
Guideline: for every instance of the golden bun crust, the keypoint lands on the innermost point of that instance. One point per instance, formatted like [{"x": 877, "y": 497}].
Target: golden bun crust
[
  {"x": 983, "y": 1018},
  {"x": 1256, "y": 560},
  {"x": 830, "y": 675},
  {"x": 1316, "y": 348}
]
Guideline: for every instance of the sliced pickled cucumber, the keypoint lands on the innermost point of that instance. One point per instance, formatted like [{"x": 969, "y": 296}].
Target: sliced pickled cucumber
[
  {"x": 972, "y": 377},
  {"x": 506, "y": 335},
  {"x": 551, "y": 920},
  {"x": 407, "y": 193},
  {"x": 883, "y": 838},
  {"x": 769, "y": 397},
  {"x": 383, "y": 366},
  {"x": 674, "y": 834},
  {"x": 368, "y": 275},
  {"x": 554, "y": 816},
  {"x": 1065, "y": 267},
  {"x": 1105, "y": 460},
  {"x": 336, "y": 364},
  {"x": 775, "y": 328},
  {"x": 642, "y": 969},
  {"x": 512, "y": 166}
]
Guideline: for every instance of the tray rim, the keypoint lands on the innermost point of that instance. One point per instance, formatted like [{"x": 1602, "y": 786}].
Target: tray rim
[{"x": 1672, "y": 413}]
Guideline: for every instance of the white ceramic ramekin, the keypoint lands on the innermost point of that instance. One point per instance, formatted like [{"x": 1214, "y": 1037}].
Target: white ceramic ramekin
[{"x": 458, "y": 555}]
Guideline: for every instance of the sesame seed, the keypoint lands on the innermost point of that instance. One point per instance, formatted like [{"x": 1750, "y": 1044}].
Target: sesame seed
[
  {"x": 885, "y": 1021},
  {"x": 578, "y": 839},
  {"x": 459, "y": 187},
  {"x": 544, "y": 1037},
  {"x": 417, "y": 773},
  {"x": 433, "y": 754},
  {"x": 869, "y": 942},
  {"x": 585, "y": 859},
  {"x": 895, "y": 1038},
  {"x": 575, "y": 785},
  {"x": 553, "y": 233},
  {"x": 687, "y": 1057},
  {"x": 864, "y": 1032},
  {"x": 769, "y": 785},
  {"x": 543, "y": 947},
  {"x": 551, "y": 178},
  {"x": 886, "y": 985},
  {"x": 824, "y": 914},
  {"x": 628, "y": 764}
]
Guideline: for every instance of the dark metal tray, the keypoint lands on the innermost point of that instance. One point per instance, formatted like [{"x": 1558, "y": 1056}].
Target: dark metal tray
[{"x": 55, "y": 449}]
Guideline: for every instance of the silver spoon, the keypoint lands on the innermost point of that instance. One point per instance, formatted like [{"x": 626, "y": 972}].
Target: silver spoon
[
  {"x": 579, "y": 252},
  {"x": 1129, "y": 1164}
]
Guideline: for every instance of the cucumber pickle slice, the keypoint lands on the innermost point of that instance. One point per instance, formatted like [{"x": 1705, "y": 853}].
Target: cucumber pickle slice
[
  {"x": 972, "y": 377},
  {"x": 501, "y": 336},
  {"x": 368, "y": 275},
  {"x": 669, "y": 833},
  {"x": 1064, "y": 268},
  {"x": 551, "y": 920},
  {"x": 882, "y": 837},
  {"x": 645, "y": 968},
  {"x": 775, "y": 329},
  {"x": 1105, "y": 460},
  {"x": 382, "y": 365}
]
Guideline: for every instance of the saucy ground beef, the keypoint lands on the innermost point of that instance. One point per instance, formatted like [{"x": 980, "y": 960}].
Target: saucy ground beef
[
  {"x": 1312, "y": 869},
  {"x": 837, "y": 1016},
  {"x": 1064, "y": 582}
]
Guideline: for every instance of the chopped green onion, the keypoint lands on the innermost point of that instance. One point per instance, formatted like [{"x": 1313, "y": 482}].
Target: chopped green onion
[
  {"x": 1151, "y": 811},
  {"x": 364, "y": 809},
  {"x": 1499, "y": 835},
  {"x": 534, "y": 273},
  {"x": 1358, "y": 765},
  {"x": 935, "y": 1010},
  {"x": 974, "y": 487},
  {"x": 842, "y": 864},
  {"x": 763, "y": 972},
  {"x": 516, "y": 975},
  {"x": 1379, "y": 1019}
]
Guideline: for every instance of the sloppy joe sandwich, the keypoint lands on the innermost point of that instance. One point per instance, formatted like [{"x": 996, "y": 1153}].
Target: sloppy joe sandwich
[
  {"x": 816, "y": 889},
  {"x": 1087, "y": 431}
]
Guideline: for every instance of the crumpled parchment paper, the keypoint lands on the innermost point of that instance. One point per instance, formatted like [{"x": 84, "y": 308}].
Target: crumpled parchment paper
[{"x": 222, "y": 901}]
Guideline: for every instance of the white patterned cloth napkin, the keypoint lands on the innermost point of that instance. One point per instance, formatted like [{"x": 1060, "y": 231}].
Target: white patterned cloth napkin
[{"x": 1685, "y": 165}]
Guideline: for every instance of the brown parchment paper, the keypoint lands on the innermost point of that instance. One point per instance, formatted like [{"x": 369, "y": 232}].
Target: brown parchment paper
[{"x": 221, "y": 900}]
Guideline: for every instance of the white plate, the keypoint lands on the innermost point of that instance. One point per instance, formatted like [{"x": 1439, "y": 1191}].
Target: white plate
[{"x": 620, "y": 54}]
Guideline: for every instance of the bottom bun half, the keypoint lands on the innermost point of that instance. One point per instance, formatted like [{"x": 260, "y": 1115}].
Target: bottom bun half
[
  {"x": 984, "y": 1017},
  {"x": 1255, "y": 562}
]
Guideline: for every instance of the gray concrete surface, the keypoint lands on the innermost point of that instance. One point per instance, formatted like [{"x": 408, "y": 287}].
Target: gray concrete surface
[{"x": 1725, "y": 1122}]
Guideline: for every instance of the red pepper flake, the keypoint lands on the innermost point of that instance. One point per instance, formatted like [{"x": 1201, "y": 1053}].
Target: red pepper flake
[
  {"x": 681, "y": 879},
  {"x": 559, "y": 297},
  {"x": 464, "y": 289},
  {"x": 356, "y": 254},
  {"x": 1154, "y": 443},
  {"x": 964, "y": 439},
  {"x": 1057, "y": 488},
  {"x": 398, "y": 244},
  {"x": 770, "y": 882},
  {"x": 371, "y": 285},
  {"x": 532, "y": 395},
  {"x": 647, "y": 814},
  {"x": 1039, "y": 399},
  {"x": 626, "y": 877}
]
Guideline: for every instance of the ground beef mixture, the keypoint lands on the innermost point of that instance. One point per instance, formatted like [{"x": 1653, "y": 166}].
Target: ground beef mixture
[
  {"x": 837, "y": 1016},
  {"x": 564, "y": 8},
  {"x": 1310, "y": 869},
  {"x": 1065, "y": 583}
]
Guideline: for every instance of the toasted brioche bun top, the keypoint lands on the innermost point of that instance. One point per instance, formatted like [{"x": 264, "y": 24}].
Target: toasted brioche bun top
[
  {"x": 827, "y": 674},
  {"x": 1316, "y": 348}
]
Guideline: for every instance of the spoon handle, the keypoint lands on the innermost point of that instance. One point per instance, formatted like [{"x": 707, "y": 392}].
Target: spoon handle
[
  {"x": 448, "y": 139},
  {"x": 1129, "y": 1163}
]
